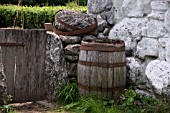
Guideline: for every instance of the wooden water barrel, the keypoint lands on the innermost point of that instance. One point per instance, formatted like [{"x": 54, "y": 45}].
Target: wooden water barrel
[{"x": 102, "y": 68}]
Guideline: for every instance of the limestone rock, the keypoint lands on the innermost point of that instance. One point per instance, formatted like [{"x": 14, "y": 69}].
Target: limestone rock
[
  {"x": 70, "y": 39},
  {"x": 101, "y": 36},
  {"x": 75, "y": 20},
  {"x": 101, "y": 23},
  {"x": 98, "y": 6},
  {"x": 3, "y": 84},
  {"x": 163, "y": 41},
  {"x": 168, "y": 50},
  {"x": 155, "y": 29},
  {"x": 110, "y": 16},
  {"x": 158, "y": 73},
  {"x": 136, "y": 8},
  {"x": 167, "y": 18},
  {"x": 134, "y": 69},
  {"x": 147, "y": 47},
  {"x": 55, "y": 65},
  {"x": 118, "y": 13},
  {"x": 158, "y": 15},
  {"x": 129, "y": 30},
  {"x": 106, "y": 31},
  {"x": 162, "y": 53},
  {"x": 89, "y": 37},
  {"x": 159, "y": 5},
  {"x": 72, "y": 58},
  {"x": 72, "y": 49},
  {"x": 136, "y": 75},
  {"x": 72, "y": 69}
]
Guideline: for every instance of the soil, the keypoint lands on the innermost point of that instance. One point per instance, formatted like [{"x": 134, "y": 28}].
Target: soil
[{"x": 34, "y": 107}]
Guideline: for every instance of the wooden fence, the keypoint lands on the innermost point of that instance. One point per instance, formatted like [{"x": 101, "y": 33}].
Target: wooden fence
[{"x": 23, "y": 55}]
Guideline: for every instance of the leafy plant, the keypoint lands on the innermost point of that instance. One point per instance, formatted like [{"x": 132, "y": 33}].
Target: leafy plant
[
  {"x": 7, "y": 108},
  {"x": 130, "y": 102}
]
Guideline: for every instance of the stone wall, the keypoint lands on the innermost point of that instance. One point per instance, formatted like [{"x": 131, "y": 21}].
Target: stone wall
[
  {"x": 145, "y": 27},
  {"x": 3, "y": 87}
]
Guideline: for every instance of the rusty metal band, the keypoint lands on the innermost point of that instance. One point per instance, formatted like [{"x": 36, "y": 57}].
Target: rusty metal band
[
  {"x": 95, "y": 88},
  {"x": 105, "y": 47},
  {"x": 11, "y": 44},
  {"x": 104, "y": 65},
  {"x": 83, "y": 31},
  {"x": 66, "y": 25},
  {"x": 97, "y": 47}
]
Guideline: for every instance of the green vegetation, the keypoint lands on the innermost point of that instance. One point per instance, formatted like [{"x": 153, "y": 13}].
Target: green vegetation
[
  {"x": 29, "y": 17},
  {"x": 129, "y": 102},
  {"x": 6, "y": 108},
  {"x": 41, "y": 2}
]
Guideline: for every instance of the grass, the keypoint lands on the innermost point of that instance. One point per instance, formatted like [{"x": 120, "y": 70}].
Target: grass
[{"x": 129, "y": 102}]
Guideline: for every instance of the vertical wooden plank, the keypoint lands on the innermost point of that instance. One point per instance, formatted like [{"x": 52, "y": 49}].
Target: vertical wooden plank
[
  {"x": 104, "y": 72},
  {"x": 9, "y": 60},
  {"x": 110, "y": 74},
  {"x": 119, "y": 74},
  {"x": 21, "y": 80},
  {"x": 94, "y": 73},
  {"x": 30, "y": 53},
  {"x": 100, "y": 72},
  {"x": 87, "y": 72},
  {"x": 40, "y": 63},
  {"x": 81, "y": 72}
]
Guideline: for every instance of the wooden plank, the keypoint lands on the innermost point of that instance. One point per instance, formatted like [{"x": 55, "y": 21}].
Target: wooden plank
[
  {"x": 104, "y": 72},
  {"x": 119, "y": 73},
  {"x": 87, "y": 73},
  {"x": 81, "y": 71},
  {"x": 110, "y": 74},
  {"x": 84, "y": 77},
  {"x": 40, "y": 63},
  {"x": 94, "y": 72},
  {"x": 21, "y": 80},
  {"x": 9, "y": 60}
]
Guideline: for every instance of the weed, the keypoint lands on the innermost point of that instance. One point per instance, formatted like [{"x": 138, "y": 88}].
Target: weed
[{"x": 67, "y": 93}]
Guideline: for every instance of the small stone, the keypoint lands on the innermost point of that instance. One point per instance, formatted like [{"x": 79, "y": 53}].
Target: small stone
[
  {"x": 70, "y": 39},
  {"x": 89, "y": 37},
  {"x": 106, "y": 31},
  {"x": 101, "y": 36},
  {"x": 72, "y": 58},
  {"x": 72, "y": 69},
  {"x": 72, "y": 49},
  {"x": 101, "y": 23}
]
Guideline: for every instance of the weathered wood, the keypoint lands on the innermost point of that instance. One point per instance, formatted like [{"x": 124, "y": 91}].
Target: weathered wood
[
  {"x": 94, "y": 72},
  {"x": 24, "y": 65},
  {"x": 103, "y": 72},
  {"x": 110, "y": 74},
  {"x": 9, "y": 58},
  {"x": 48, "y": 26}
]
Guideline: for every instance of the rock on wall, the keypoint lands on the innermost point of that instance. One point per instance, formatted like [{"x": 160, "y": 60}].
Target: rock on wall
[
  {"x": 3, "y": 86},
  {"x": 145, "y": 27},
  {"x": 55, "y": 65}
]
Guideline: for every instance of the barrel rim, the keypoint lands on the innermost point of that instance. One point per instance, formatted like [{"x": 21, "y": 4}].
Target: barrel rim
[{"x": 117, "y": 45}]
